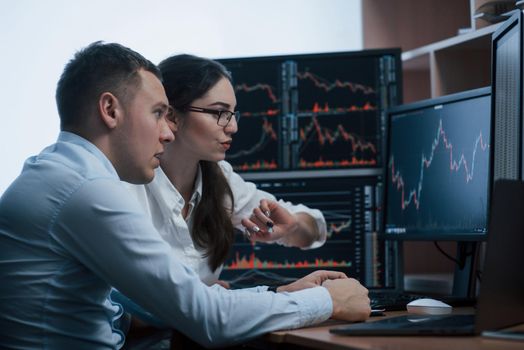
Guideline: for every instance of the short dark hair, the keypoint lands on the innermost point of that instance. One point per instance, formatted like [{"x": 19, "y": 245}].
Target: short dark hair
[
  {"x": 188, "y": 77},
  {"x": 98, "y": 68}
]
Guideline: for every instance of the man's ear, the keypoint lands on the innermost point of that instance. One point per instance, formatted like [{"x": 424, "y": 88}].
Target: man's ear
[{"x": 109, "y": 108}]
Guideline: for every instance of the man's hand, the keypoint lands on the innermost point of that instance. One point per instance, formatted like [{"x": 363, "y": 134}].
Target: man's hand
[
  {"x": 350, "y": 299},
  {"x": 314, "y": 279}
]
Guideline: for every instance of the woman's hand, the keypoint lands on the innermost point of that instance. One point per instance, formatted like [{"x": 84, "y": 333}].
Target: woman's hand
[{"x": 271, "y": 222}]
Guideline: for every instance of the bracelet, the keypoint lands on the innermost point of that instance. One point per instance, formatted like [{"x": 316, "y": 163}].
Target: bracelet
[{"x": 272, "y": 289}]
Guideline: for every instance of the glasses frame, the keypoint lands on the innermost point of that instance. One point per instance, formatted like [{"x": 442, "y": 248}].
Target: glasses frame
[{"x": 218, "y": 112}]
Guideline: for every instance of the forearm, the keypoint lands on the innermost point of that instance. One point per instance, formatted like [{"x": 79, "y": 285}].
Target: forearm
[{"x": 304, "y": 234}]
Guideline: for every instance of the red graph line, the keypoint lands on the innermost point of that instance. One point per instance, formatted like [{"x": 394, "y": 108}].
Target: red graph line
[
  {"x": 336, "y": 229},
  {"x": 328, "y": 86},
  {"x": 326, "y": 135},
  {"x": 454, "y": 166},
  {"x": 265, "y": 87}
]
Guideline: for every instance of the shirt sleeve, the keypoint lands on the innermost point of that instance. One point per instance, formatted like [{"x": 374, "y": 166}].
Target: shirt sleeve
[
  {"x": 247, "y": 197},
  {"x": 104, "y": 228}
]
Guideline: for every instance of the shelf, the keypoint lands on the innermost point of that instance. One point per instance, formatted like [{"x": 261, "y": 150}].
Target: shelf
[
  {"x": 436, "y": 61},
  {"x": 448, "y": 66},
  {"x": 416, "y": 59}
]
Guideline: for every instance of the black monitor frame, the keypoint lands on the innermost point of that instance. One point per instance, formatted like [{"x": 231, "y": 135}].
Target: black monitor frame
[
  {"x": 457, "y": 97},
  {"x": 507, "y": 142}
]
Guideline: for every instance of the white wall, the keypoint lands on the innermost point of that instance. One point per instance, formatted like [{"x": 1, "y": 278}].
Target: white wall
[{"x": 38, "y": 37}]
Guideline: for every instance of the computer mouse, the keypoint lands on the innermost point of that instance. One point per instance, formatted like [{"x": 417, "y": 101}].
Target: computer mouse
[{"x": 428, "y": 306}]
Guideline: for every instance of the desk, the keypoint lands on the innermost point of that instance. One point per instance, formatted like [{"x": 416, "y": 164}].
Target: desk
[{"x": 319, "y": 338}]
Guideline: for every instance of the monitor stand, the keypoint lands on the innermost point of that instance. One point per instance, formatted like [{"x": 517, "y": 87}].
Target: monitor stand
[{"x": 464, "y": 275}]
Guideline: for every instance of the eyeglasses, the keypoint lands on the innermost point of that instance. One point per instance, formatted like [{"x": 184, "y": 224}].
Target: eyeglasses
[
  {"x": 169, "y": 114},
  {"x": 223, "y": 116}
]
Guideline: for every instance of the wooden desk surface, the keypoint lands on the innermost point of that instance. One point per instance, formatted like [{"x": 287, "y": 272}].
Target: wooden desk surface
[{"x": 319, "y": 338}]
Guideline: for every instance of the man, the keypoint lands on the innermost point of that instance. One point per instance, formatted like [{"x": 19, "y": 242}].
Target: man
[{"x": 69, "y": 230}]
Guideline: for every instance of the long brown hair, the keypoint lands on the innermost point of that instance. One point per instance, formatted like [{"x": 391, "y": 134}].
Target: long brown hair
[{"x": 187, "y": 78}]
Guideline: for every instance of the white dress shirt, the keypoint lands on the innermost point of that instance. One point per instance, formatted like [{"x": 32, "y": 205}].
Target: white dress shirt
[{"x": 163, "y": 203}]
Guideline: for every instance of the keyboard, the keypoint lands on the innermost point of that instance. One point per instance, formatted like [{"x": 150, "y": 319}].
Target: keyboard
[
  {"x": 397, "y": 301},
  {"x": 391, "y": 301},
  {"x": 253, "y": 278}
]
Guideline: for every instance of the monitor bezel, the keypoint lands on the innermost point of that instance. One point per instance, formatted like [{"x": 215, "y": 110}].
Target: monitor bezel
[
  {"x": 514, "y": 21},
  {"x": 452, "y": 98},
  {"x": 317, "y": 55}
]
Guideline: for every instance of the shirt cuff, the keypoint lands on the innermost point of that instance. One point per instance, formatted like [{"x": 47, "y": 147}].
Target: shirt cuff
[{"x": 314, "y": 305}]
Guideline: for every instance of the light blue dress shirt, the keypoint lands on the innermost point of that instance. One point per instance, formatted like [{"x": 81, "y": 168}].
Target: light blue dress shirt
[{"x": 69, "y": 230}]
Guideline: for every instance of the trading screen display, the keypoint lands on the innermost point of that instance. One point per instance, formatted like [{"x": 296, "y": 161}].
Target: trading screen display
[
  {"x": 438, "y": 169},
  {"x": 338, "y": 121},
  {"x": 349, "y": 206},
  {"x": 257, "y": 144},
  {"x": 312, "y": 111}
]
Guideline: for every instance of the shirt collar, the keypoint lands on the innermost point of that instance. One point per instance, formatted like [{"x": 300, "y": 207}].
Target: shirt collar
[
  {"x": 169, "y": 199},
  {"x": 197, "y": 192},
  {"x": 71, "y": 138}
]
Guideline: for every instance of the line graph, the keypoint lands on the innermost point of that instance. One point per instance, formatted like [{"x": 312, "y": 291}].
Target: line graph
[
  {"x": 336, "y": 141},
  {"x": 456, "y": 164},
  {"x": 256, "y": 148},
  {"x": 257, "y": 86},
  {"x": 438, "y": 167},
  {"x": 331, "y": 87},
  {"x": 268, "y": 89},
  {"x": 328, "y": 86},
  {"x": 338, "y": 227}
]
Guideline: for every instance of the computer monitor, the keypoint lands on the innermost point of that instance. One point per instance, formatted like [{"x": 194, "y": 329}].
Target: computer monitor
[
  {"x": 437, "y": 178},
  {"x": 313, "y": 111},
  {"x": 437, "y": 174},
  {"x": 506, "y": 105},
  {"x": 311, "y": 131},
  {"x": 349, "y": 205}
]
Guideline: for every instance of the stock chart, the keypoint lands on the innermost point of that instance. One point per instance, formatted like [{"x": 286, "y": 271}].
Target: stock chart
[
  {"x": 349, "y": 207},
  {"x": 258, "y": 95},
  {"x": 309, "y": 112},
  {"x": 438, "y": 168}
]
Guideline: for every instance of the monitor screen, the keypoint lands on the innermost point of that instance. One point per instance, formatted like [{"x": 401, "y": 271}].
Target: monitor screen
[
  {"x": 349, "y": 205},
  {"x": 313, "y": 111},
  {"x": 437, "y": 174}
]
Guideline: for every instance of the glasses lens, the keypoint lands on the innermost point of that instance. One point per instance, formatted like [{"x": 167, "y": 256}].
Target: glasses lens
[
  {"x": 224, "y": 118},
  {"x": 170, "y": 114}
]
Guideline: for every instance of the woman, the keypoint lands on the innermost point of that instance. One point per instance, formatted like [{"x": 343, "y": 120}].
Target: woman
[{"x": 196, "y": 199}]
